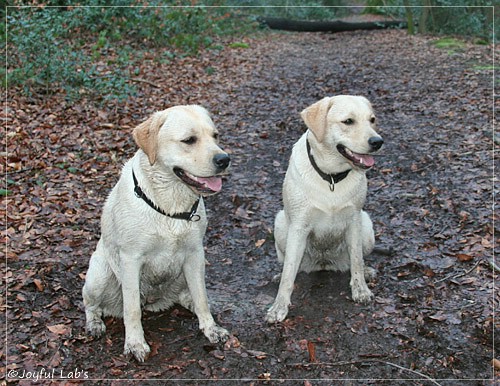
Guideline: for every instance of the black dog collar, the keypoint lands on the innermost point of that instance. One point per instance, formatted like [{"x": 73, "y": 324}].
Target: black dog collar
[
  {"x": 188, "y": 216},
  {"x": 332, "y": 179}
]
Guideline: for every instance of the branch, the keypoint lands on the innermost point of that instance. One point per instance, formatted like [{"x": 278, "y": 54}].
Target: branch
[
  {"x": 144, "y": 81},
  {"x": 455, "y": 276},
  {"x": 344, "y": 363}
]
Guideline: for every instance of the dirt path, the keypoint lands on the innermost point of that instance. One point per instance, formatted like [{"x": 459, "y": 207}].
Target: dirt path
[{"x": 430, "y": 197}]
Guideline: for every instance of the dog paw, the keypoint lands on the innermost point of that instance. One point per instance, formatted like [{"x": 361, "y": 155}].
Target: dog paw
[
  {"x": 216, "y": 334},
  {"x": 370, "y": 273},
  {"x": 95, "y": 327},
  {"x": 139, "y": 349},
  {"x": 361, "y": 293},
  {"x": 277, "y": 313}
]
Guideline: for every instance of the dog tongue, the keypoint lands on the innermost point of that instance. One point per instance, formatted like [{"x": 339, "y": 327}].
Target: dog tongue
[
  {"x": 212, "y": 183},
  {"x": 367, "y": 160},
  {"x": 364, "y": 159}
]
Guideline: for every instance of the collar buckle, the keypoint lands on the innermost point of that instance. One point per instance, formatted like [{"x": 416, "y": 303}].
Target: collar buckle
[
  {"x": 332, "y": 184},
  {"x": 194, "y": 217}
]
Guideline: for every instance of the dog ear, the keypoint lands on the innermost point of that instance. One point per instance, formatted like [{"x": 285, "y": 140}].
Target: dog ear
[
  {"x": 146, "y": 135},
  {"x": 314, "y": 117}
]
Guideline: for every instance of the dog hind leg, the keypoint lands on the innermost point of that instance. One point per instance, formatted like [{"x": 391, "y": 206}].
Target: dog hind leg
[
  {"x": 96, "y": 283},
  {"x": 280, "y": 234}
]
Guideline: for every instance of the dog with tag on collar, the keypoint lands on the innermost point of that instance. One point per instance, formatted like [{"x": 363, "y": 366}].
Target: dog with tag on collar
[{"x": 322, "y": 225}]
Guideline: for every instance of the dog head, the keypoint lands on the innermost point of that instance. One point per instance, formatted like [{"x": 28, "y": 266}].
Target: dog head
[
  {"x": 345, "y": 124},
  {"x": 183, "y": 140}
]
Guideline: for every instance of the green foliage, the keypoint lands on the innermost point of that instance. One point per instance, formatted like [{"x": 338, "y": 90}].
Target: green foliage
[
  {"x": 458, "y": 18},
  {"x": 442, "y": 17},
  {"x": 450, "y": 44},
  {"x": 376, "y": 7},
  {"x": 488, "y": 67},
  {"x": 93, "y": 50},
  {"x": 49, "y": 51},
  {"x": 5, "y": 192},
  {"x": 239, "y": 45},
  {"x": 294, "y": 9}
]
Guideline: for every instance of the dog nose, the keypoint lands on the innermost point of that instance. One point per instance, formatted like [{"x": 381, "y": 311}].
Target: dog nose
[
  {"x": 222, "y": 161},
  {"x": 375, "y": 143}
]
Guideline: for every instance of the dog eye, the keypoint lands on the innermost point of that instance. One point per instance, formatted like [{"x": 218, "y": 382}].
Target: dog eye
[
  {"x": 190, "y": 140},
  {"x": 372, "y": 119},
  {"x": 348, "y": 121}
]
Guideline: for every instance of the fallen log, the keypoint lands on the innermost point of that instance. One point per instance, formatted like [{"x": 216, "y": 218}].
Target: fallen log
[{"x": 327, "y": 26}]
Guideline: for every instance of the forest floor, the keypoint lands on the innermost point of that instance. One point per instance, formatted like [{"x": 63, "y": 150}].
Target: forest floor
[{"x": 430, "y": 198}]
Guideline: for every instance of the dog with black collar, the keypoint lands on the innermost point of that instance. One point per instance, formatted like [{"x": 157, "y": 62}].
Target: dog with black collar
[
  {"x": 150, "y": 254},
  {"x": 323, "y": 225}
]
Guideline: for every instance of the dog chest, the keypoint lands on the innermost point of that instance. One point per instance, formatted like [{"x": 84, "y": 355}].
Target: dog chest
[
  {"x": 159, "y": 271},
  {"x": 167, "y": 251},
  {"x": 328, "y": 228}
]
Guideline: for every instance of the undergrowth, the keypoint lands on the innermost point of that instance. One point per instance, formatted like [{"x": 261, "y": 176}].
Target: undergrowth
[
  {"x": 93, "y": 49},
  {"x": 89, "y": 49}
]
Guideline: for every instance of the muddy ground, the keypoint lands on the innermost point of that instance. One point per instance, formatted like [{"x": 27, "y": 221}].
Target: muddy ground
[{"x": 430, "y": 198}]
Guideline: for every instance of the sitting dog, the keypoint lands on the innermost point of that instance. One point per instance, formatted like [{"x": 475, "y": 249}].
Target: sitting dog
[
  {"x": 322, "y": 225},
  {"x": 150, "y": 252}
]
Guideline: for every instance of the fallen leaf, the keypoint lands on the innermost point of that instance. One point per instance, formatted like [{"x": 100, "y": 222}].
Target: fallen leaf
[
  {"x": 439, "y": 316},
  {"x": 429, "y": 272},
  {"x": 242, "y": 213},
  {"x": 60, "y": 329},
  {"x": 260, "y": 242},
  {"x": 464, "y": 257},
  {"x": 218, "y": 354},
  {"x": 20, "y": 297},
  {"x": 39, "y": 285},
  {"x": 312, "y": 351},
  {"x": 232, "y": 342},
  {"x": 257, "y": 354}
]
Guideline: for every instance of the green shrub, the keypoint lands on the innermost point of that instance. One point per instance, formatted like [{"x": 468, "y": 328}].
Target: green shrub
[
  {"x": 294, "y": 9},
  {"x": 442, "y": 17},
  {"x": 49, "y": 50}
]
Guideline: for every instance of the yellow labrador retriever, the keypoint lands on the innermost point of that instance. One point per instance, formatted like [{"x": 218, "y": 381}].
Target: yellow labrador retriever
[
  {"x": 322, "y": 225},
  {"x": 150, "y": 252}
]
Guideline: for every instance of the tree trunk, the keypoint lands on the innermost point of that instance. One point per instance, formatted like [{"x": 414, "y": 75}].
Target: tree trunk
[
  {"x": 409, "y": 17},
  {"x": 424, "y": 17},
  {"x": 327, "y": 26}
]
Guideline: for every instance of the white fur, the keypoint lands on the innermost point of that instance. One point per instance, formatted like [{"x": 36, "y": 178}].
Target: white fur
[
  {"x": 144, "y": 258},
  {"x": 319, "y": 229}
]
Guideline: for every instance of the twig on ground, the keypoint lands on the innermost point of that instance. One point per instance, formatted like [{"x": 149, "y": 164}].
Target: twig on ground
[
  {"x": 144, "y": 81},
  {"x": 344, "y": 363},
  {"x": 454, "y": 276}
]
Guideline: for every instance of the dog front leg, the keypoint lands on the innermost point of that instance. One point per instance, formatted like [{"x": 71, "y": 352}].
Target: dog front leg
[
  {"x": 194, "y": 272},
  {"x": 295, "y": 247},
  {"x": 359, "y": 289},
  {"x": 135, "y": 343}
]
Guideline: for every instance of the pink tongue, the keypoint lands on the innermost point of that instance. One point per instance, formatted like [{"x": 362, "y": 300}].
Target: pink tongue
[
  {"x": 368, "y": 160},
  {"x": 365, "y": 159},
  {"x": 213, "y": 183}
]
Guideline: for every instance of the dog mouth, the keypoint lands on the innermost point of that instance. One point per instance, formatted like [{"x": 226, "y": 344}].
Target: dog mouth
[
  {"x": 203, "y": 185},
  {"x": 363, "y": 161}
]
